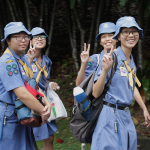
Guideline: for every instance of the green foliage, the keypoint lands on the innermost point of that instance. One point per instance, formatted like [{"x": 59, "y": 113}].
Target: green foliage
[
  {"x": 146, "y": 87},
  {"x": 123, "y": 2},
  {"x": 72, "y": 3}
]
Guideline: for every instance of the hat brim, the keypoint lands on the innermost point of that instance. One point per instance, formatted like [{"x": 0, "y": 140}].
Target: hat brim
[
  {"x": 104, "y": 31},
  {"x": 39, "y": 32},
  {"x": 16, "y": 31},
  {"x": 128, "y": 25}
]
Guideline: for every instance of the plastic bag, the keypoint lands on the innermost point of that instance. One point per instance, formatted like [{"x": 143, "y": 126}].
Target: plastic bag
[{"x": 58, "y": 110}]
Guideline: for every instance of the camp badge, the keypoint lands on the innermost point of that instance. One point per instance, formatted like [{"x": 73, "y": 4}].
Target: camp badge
[
  {"x": 14, "y": 66},
  {"x": 9, "y": 61},
  {"x": 22, "y": 71},
  {"x": 10, "y": 73},
  {"x": 8, "y": 67},
  {"x": 89, "y": 63},
  {"x": 15, "y": 71},
  {"x": 123, "y": 71},
  {"x": 34, "y": 68}
]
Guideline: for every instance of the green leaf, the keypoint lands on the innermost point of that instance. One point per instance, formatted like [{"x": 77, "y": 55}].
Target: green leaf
[
  {"x": 79, "y": 1},
  {"x": 123, "y": 2},
  {"x": 72, "y": 3}
]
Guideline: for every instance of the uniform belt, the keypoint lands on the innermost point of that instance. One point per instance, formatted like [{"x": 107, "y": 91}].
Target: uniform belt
[
  {"x": 114, "y": 106},
  {"x": 7, "y": 103}
]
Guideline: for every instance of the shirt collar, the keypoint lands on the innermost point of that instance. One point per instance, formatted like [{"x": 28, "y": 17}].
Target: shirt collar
[{"x": 14, "y": 54}]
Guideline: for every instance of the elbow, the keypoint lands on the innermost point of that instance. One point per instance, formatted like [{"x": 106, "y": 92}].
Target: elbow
[{"x": 95, "y": 95}]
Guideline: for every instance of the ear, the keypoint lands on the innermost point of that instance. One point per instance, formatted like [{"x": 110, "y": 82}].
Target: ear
[
  {"x": 118, "y": 36},
  {"x": 8, "y": 41}
]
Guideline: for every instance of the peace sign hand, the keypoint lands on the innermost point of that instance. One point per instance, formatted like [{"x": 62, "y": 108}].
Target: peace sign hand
[
  {"x": 107, "y": 59},
  {"x": 31, "y": 52},
  {"x": 85, "y": 54}
]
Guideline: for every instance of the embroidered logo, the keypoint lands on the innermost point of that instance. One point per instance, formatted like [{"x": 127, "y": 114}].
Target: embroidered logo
[
  {"x": 10, "y": 73},
  {"x": 14, "y": 66},
  {"x": 9, "y": 61},
  {"x": 105, "y": 25},
  {"x": 22, "y": 71},
  {"x": 89, "y": 64},
  {"x": 15, "y": 71},
  {"x": 8, "y": 67},
  {"x": 34, "y": 68},
  {"x": 129, "y": 18},
  {"x": 19, "y": 24}
]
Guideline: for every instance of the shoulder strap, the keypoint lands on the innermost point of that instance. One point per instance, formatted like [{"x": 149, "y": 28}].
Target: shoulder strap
[
  {"x": 113, "y": 70},
  {"x": 97, "y": 61}
]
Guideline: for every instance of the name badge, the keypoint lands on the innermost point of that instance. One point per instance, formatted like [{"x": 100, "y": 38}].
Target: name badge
[
  {"x": 34, "y": 68},
  {"x": 22, "y": 71},
  {"x": 123, "y": 71}
]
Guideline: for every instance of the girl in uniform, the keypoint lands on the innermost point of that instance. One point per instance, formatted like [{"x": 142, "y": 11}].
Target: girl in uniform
[
  {"x": 41, "y": 66},
  {"x": 88, "y": 65},
  {"x": 13, "y": 135},
  {"x": 115, "y": 129}
]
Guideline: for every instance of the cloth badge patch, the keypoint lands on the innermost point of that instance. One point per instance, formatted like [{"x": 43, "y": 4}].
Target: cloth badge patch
[
  {"x": 15, "y": 71},
  {"x": 9, "y": 61},
  {"x": 34, "y": 68},
  {"x": 8, "y": 67},
  {"x": 123, "y": 71},
  {"x": 89, "y": 64},
  {"x": 14, "y": 66},
  {"x": 22, "y": 71},
  {"x": 91, "y": 60},
  {"x": 10, "y": 73}
]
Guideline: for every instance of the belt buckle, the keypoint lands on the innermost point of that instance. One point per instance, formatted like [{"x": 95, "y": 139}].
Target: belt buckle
[{"x": 126, "y": 108}]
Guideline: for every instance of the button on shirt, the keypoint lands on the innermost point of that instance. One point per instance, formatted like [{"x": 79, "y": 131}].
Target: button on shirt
[{"x": 119, "y": 90}]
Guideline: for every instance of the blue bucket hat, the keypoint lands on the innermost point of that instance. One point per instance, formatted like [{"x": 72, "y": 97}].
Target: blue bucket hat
[
  {"x": 38, "y": 30},
  {"x": 128, "y": 22},
  {"x": 106, "y": 27},
  {"x": 14, "y": 27}
]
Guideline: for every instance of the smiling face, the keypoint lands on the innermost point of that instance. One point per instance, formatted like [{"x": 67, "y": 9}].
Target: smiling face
[
  {"x": 128, "y": 37},
  {"x": 106, "y": 39},
  {"x": 18, "y": 42},
  {"x": 40, "y": 41}
]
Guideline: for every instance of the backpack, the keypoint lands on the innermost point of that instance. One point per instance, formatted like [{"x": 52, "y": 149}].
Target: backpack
[
  {"x": 25, "y": 115},
  {"x": 82, "y": 129}
]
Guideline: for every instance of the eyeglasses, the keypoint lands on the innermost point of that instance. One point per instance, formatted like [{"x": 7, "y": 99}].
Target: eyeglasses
[
  {"x": 36, "y": 37},
  {"x": 20, "y": 38},
  {"x": 126, "y": 32}
]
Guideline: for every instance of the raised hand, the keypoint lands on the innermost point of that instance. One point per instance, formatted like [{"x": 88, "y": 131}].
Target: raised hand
[
  {"x": 54, "y": 86},
  {"x": 107, "y": 59},
  {"x": 46, "y": 114},
  {"x": 31, "y": 52},
  {"x": 85, "y": 54}
]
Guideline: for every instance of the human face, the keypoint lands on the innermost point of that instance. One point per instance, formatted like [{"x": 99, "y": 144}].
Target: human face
[
  {"x": 128, "y": 40},
  {"x": 106, "y": 39},
  {"x": 16, "y": 44},
  {"x": 40, "y": 41}
]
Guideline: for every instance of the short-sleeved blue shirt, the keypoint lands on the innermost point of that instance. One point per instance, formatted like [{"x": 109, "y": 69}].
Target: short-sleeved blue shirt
[
  {"x": 34, "y": 68},
  {"x": 120, "y": 92},
  {"x": 12, "y": 75}
]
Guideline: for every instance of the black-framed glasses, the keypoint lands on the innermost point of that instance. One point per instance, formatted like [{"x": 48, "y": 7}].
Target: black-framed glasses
[
  {"x": 20, "y": 38},
  {"x": 36, "y": 37},
  {"x": 126, "y": 32}
]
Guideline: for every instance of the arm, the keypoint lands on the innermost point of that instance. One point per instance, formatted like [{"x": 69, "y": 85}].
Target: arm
[
  {"x": 107, "y": 62},
  {"x": 139, "y": 100},
  {"x": 28, "y": 99},
  {"x": 84, "y": 61}
]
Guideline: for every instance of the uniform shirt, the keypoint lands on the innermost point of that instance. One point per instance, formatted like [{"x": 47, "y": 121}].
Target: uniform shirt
[
  {"x": 34, "y": 68},
  {"x": 119, "y": 92},
  {"x": 12, "y": 75}
]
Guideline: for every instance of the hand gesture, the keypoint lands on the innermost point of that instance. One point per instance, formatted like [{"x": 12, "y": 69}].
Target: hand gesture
[
  {"x": 31, "y": 52},
  {"x": 54, "y": 86},
  {"x": 46, "y": 114},
  {"x": 107, "y": 59},
  {"x": 147, "y": 118},
  {"x": 85, "y": 54}
]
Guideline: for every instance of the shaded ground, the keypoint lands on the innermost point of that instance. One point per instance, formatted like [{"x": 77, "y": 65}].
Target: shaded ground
[{"x": 65, "y": 77}]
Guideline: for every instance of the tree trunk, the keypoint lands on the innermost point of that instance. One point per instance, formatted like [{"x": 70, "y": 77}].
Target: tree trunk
[
  {"x": 41, "y": 16},
  {"x": 27, "y": 15},
  {"x": 140, "y": 23},
  {"x": 100, "y": 9},
  {"x": 15, "y": 10},
  {"x": 72, "y": 34},
  {"x": 51, "y": 27},
  {"x": 11, "y": 10}
]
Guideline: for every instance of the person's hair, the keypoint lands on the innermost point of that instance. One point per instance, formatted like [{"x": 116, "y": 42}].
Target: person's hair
[{"x": 5, "y": 43}]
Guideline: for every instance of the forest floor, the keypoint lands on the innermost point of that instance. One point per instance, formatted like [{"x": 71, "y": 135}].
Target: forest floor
[{"x": 63, "y": 138}]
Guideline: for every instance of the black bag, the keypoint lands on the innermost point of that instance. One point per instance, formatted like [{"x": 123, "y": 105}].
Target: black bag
[{"x": 82, "y": 129}]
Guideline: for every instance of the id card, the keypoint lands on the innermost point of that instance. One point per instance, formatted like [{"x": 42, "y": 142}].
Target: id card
[{"x": 123, "y": 71}]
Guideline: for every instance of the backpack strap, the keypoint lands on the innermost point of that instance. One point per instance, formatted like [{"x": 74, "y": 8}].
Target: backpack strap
[
  {"x": 113, "y": 70},
  {"x": 97, "y": 61}
]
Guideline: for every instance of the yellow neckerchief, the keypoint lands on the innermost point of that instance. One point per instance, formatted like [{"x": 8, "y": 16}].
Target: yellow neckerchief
[
  {"x": 27, "y": 70},
  {"x": 131, "y": 73},
  {"x": 41, "y": 70}
]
